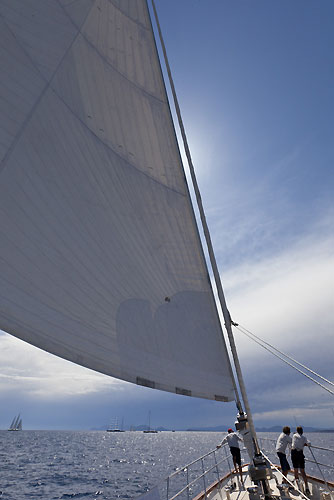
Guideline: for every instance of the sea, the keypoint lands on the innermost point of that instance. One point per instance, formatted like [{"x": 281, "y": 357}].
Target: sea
[{"x": 105, "y": 465}]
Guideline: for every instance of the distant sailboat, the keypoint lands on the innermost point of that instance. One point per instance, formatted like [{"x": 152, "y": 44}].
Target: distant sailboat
[
  {"x": 16, "y": 424},
  {"x": 149, "y": 430},
  {"x": 114, "y": 426}
]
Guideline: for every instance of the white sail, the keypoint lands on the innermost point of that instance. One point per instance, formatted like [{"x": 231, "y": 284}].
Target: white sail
[
  {"x": 101, "y": 261},
  {"x": 12, "y": 425},
  {"x": 16, "y": 424}
]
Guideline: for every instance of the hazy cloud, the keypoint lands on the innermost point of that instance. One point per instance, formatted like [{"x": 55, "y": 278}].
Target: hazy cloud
[{"x": 42, "y": 375}]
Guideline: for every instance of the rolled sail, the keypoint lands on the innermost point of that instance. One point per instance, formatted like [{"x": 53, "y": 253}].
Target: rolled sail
[{"x": 101, "y": 260}]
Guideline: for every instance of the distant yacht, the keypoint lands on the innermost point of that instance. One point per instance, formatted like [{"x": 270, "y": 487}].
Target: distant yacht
[
  {"x": 114, "y": 427},
  {"x": 149, "y": 430},
  {"x": 16, "y": 424}
]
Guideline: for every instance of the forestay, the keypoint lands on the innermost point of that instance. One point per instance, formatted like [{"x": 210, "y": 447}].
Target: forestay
[{"x": 101, "y": 261}]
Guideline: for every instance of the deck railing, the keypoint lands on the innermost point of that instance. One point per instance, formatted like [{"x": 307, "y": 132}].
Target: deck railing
[{"x": 199, "y": 472}]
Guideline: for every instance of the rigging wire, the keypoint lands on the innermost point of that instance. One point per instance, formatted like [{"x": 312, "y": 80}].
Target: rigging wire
[
  {"x": 271, "y": 349},
  {"x": 286, "y": 355}
]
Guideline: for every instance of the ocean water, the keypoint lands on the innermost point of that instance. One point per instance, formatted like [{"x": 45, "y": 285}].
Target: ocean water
[{"x": 100, "y": 465}]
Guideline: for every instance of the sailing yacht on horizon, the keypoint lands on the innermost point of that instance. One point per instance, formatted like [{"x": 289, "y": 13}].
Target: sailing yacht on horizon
[
  {"x": 16, "y": 424},
  {"x": 149, "y": 430},
  {"x": 102, "y": 261},
  {"x": 114, "y": 426}
]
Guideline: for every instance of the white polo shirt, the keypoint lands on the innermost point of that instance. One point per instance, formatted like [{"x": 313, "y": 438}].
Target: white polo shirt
[
  {"x": 282, "y": 442},
  {"x": 299, "y": 441},
  {"x": 232, "y": 440}
]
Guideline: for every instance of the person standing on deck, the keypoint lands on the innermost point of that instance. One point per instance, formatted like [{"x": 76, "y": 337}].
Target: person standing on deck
[
  {"x": 297, "y": 455},
  {"x": 283, "y": 441},
  {"x": 232, "y": 439}
]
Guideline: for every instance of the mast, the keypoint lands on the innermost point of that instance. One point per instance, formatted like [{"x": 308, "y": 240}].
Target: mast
[{"x": 226, "y": 314}]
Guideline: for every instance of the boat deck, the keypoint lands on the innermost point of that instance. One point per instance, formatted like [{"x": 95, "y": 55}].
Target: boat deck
[{"x": 232, "y": 489}]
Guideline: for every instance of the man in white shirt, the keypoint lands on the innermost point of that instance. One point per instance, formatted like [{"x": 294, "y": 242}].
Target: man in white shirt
[
  {"x": 297, "y": 455},
  {"x": 283, "y": 441},
  {"x": 232, "y": 439}
]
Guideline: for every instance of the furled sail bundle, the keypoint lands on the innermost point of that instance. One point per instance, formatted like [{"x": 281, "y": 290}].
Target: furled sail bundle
[{"x": 101, "y": 261}]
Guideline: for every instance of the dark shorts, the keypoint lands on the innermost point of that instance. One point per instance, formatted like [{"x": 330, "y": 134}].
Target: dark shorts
[
  {"x": 283, "y": 461},
  {"x": 236, "y": 454},
  {"x": 298, "y": 459}
]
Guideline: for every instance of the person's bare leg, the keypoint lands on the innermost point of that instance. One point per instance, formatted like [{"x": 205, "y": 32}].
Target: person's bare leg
[
  {"x": 302, "y": 471},
  {"x": 235, "y": 465},
  {"x": 240, "y": 472},
  {"x": 296, "y": 474},
  {"x": 285, "y": 474}
]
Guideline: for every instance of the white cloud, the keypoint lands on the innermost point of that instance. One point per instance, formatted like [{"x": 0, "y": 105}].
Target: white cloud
[
  {"x": 38, "y": 374},
  {"x": 284, "y": 397},
  {"x": 288, "y": 297},
  {"x": 294, "y": 415}
]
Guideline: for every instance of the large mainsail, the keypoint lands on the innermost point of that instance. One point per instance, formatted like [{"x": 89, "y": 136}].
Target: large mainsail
[{"x": 101, "y": 261}]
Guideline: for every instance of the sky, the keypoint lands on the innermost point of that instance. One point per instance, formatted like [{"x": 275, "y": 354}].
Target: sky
[{"x": 255, "y": 82}]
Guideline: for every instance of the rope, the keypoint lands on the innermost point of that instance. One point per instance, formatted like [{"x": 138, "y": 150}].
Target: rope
[{"x": 271, "y": 349}]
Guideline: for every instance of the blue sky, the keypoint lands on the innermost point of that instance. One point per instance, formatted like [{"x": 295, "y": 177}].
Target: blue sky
[{"x": 255, "y": 85}]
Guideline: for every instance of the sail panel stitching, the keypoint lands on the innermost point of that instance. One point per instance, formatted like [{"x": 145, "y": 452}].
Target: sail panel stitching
[
  {"x": 129, "y": 17},
  {"x": 108, "y": 63},
  {"x": 129, "y": 163},
  {"x": 38, "y": 100}
]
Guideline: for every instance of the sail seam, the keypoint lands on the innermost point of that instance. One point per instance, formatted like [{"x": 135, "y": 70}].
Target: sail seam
[
  {"x": 132, "y": 83},
  {"x": 38, "y": 100},
  {"x": 110, "y": 148},
  {"x": 49, "y": 85},
  {"x": 129, "y": 17},
  {"x": 107, "y": 62}
]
